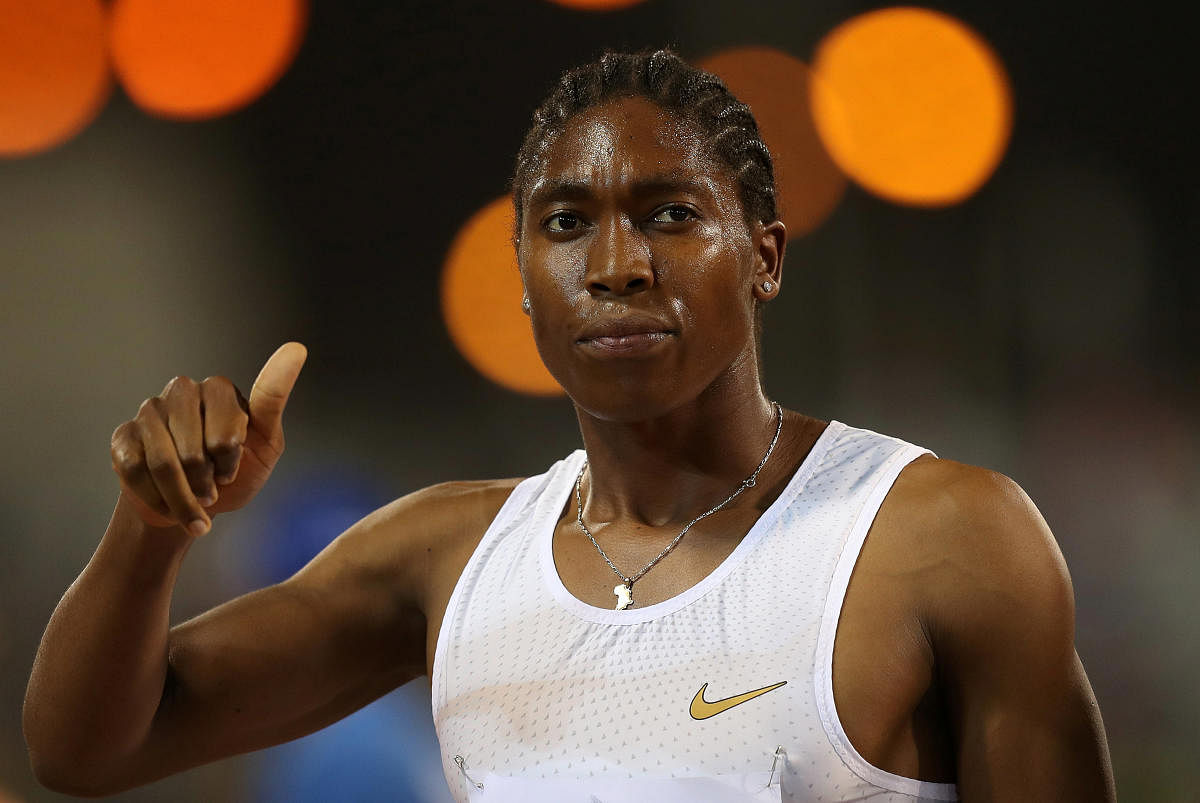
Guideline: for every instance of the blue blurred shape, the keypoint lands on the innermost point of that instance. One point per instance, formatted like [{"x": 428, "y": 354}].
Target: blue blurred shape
[
  {"x": 384, "y": 752},
  {"x": 306, "y": 516}
]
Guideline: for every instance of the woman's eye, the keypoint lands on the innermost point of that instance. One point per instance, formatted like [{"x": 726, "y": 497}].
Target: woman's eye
[
  {"x": 673, "y": 214},
  {"x": 562, "y": 221}
]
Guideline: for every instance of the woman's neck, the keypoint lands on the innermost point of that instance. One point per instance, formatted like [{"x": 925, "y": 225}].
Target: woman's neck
[{"x": 671, "y": 467}]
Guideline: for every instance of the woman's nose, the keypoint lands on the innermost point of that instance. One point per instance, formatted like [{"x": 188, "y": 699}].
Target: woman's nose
[{"x": 618, "y": 261}]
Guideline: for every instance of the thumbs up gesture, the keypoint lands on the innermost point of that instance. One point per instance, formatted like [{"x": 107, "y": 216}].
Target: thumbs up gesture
[{"x": 200, "y": 448}]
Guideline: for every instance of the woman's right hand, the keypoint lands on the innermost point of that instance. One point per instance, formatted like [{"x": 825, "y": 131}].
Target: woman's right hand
[{"x": 200, "y": 448}]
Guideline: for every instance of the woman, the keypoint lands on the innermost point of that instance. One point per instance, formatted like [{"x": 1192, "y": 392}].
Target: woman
[{"x": 716, "y": 599}]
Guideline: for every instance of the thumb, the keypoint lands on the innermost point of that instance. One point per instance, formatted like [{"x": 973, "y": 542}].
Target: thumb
[{"x": 274, "y": 384}]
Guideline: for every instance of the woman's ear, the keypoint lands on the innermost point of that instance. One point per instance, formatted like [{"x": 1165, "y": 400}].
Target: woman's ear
[{"x": 769, "y": 242}]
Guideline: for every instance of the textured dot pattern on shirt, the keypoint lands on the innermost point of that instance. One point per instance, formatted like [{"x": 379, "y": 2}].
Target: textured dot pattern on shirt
[{"x": 531, "y": 682}]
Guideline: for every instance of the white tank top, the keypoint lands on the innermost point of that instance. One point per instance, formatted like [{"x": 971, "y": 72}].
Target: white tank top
[{"x": 538, "y": 696}]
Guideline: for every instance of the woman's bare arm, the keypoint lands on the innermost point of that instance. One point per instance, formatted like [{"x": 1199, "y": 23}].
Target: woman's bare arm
[{"x": 118, "y": 698}]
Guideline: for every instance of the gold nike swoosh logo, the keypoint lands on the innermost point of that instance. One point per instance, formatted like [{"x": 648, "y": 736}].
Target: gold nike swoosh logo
[{"x": 703, "y": 709}]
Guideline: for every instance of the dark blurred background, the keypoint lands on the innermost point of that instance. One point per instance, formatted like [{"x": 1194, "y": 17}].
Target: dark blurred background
[{"x": 1044, "y": 326}]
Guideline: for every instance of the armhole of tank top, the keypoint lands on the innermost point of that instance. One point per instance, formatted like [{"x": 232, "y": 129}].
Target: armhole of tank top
[
  {"x": 517, "y": 499},
  {"x": 823, "y": 671}
]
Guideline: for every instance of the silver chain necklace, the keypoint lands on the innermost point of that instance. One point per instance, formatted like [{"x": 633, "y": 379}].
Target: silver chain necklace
[{"x": 624, "y": 590}]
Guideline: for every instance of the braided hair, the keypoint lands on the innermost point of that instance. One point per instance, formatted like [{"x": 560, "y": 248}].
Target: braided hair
[{"x": 662, "y": 77}]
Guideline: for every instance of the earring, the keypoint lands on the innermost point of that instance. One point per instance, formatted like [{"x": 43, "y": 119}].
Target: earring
[
  {"x": 525, "y": 304},
  {"x": 767, "y": 286}
]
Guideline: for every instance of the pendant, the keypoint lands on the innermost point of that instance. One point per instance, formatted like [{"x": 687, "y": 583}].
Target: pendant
[{"x": 624, "y": 592}]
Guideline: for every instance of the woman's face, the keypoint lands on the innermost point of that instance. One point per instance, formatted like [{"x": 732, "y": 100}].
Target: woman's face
[{"x": 641, "y": 271}]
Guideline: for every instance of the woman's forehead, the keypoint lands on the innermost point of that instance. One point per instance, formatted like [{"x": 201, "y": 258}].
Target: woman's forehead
[
  {"x": 630, "y": 121},
  {"x": 627, "y": 140}
]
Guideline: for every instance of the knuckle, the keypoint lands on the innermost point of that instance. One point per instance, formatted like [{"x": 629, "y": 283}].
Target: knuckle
[
  {"x": 182, "y": 389},
  {"x": 159, "y": 467},
  {"x": 192, "y": 463},
  {"x": 127, "y": 461},
  {"x": 150, "y": 407},
  {"x": 122, "y": 433},
  {"x": 226, "y": 446},
  {"x": 217, "y": 384}
]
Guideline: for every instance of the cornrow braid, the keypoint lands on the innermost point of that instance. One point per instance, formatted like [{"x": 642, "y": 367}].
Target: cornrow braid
[{"x": 665, "y": 79}]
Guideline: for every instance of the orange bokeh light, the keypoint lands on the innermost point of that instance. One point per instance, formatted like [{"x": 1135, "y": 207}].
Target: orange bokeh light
[
  {"x": 194, "y": 59},
  {"x": 481, "y": 303},
  {"x": 776, "y": 88},
  {"x": 54, "y": 75},
  {"x": 596, "y": 5},
  {"x": 912, "y": 104}
]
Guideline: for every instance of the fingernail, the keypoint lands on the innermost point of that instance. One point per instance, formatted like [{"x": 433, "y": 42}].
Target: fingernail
[
  {"x": 224, "y": 480},
  {"x": 209, "y": 499},
  {"x": 198, "y": 527}
]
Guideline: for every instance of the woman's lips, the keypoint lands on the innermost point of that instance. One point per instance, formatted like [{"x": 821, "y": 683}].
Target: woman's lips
[{"x": 625, "y": 344}]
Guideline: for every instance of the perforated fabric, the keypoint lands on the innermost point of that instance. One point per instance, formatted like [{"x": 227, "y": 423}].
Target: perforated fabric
[{"x": 538, "y": 691}]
